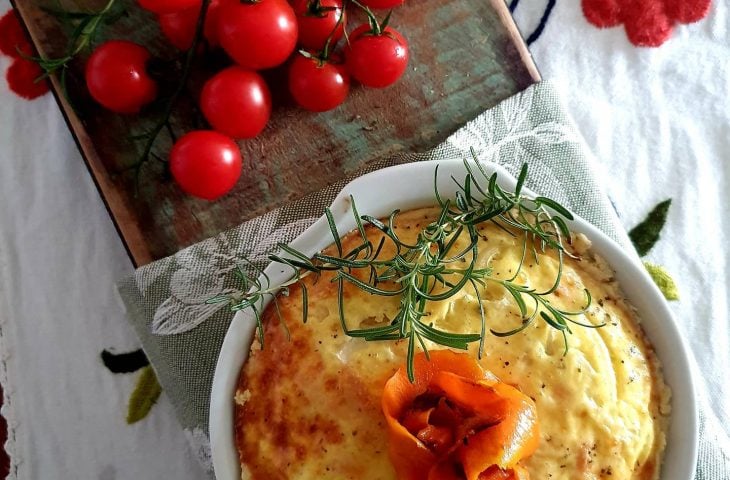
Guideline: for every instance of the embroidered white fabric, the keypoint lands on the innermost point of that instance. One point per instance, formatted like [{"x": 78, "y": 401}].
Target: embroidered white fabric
[{"x": 657, "y": 119}]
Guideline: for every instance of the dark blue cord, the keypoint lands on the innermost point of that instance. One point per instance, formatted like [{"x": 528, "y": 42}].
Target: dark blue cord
[{"x": 543, "y": 21}]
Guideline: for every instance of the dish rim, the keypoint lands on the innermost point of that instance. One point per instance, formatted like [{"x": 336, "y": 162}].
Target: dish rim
[{"x": 372, "y": 192}]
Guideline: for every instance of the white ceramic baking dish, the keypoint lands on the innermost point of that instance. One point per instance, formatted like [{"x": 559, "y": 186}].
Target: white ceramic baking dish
[{"x": 411, "y": 186}]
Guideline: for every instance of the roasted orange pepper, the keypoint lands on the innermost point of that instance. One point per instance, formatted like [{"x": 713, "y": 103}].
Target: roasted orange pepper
[{"x": 457, "y": 421}]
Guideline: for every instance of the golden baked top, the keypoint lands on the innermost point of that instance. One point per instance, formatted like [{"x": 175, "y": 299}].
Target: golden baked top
[{"x": 308, "y": 405}]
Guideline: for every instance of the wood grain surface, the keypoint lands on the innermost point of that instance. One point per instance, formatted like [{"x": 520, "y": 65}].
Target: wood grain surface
[{"x": 466, "y": 56}]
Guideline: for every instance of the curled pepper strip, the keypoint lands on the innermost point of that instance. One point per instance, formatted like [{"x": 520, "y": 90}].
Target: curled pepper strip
[{"x": 457, "y": 421}]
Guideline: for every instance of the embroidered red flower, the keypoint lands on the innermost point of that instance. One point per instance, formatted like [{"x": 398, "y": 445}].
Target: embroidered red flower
[
  {"x": 12, "y": 36},
  {"x": 22, "y": 75},
  {"x": 648, "y": 23}
]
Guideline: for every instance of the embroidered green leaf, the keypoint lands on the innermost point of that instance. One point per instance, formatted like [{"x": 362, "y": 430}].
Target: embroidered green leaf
[
  {"x": 663, "y": 280},
  {"x": 144, "y": 396},
  {"x": 646, "y": 234}
]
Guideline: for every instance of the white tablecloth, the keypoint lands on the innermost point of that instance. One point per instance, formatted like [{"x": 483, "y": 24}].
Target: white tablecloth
[{"x": 658, "y": 120}]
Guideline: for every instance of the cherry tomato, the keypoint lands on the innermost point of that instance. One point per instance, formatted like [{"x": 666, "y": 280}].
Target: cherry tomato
[
  {"x": 376, "y": 60},
  {"x": 212, "y": 21},
  {"x": 117, "y": 79},
  {"x": 382, "y": 3},
  {"x": 258, "y": 34},
  {"x": 179, "y": 27},
  {"x": 205, "y": 164},
  {"x": 318, "y": 85},
  {"x": 236, "y": 102},
  {"x": 167, "y": 6},
  {"x": 317, "y": 19}
]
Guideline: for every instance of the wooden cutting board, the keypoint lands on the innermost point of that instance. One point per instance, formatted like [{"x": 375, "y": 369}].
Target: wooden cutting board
[{"x": 466, "y": 56}]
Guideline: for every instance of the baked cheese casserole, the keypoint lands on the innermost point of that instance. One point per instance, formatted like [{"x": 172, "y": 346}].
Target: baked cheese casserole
[{"x": 308, "y": 405}]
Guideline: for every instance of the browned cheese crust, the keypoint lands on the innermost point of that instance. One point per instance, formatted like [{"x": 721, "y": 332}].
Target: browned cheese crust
[{"x": 308, "y": 403}]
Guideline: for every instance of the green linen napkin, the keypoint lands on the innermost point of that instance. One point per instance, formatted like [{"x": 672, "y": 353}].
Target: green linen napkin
[{"x": 182, "y": 335}]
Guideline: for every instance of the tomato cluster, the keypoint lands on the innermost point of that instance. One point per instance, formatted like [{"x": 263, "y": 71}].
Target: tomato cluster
[{"x": 256, "y": 35}]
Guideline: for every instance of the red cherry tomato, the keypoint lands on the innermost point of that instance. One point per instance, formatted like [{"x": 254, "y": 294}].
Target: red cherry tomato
[
  {"x": 376, "y": 60},
  {"x": 117, "y": 79},
  {"x": 167, "y": 6},
  {"x": 179, "y": 27},
  {"x": 317, "y": 85},
  {"x": 205, "y": 164},
  {"x": 317, "y": 22},
  {"x": 382, "y": 3},
  {"x": 258, "y": 35},
  {"x": 236, "y": 102},
  {"x": 212, "y": 21}
]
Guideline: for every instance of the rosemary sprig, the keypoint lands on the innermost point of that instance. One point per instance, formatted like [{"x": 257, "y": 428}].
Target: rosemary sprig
[
  {"x": 432, "y": 269},
  {"x": 87, "y": 26}
]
